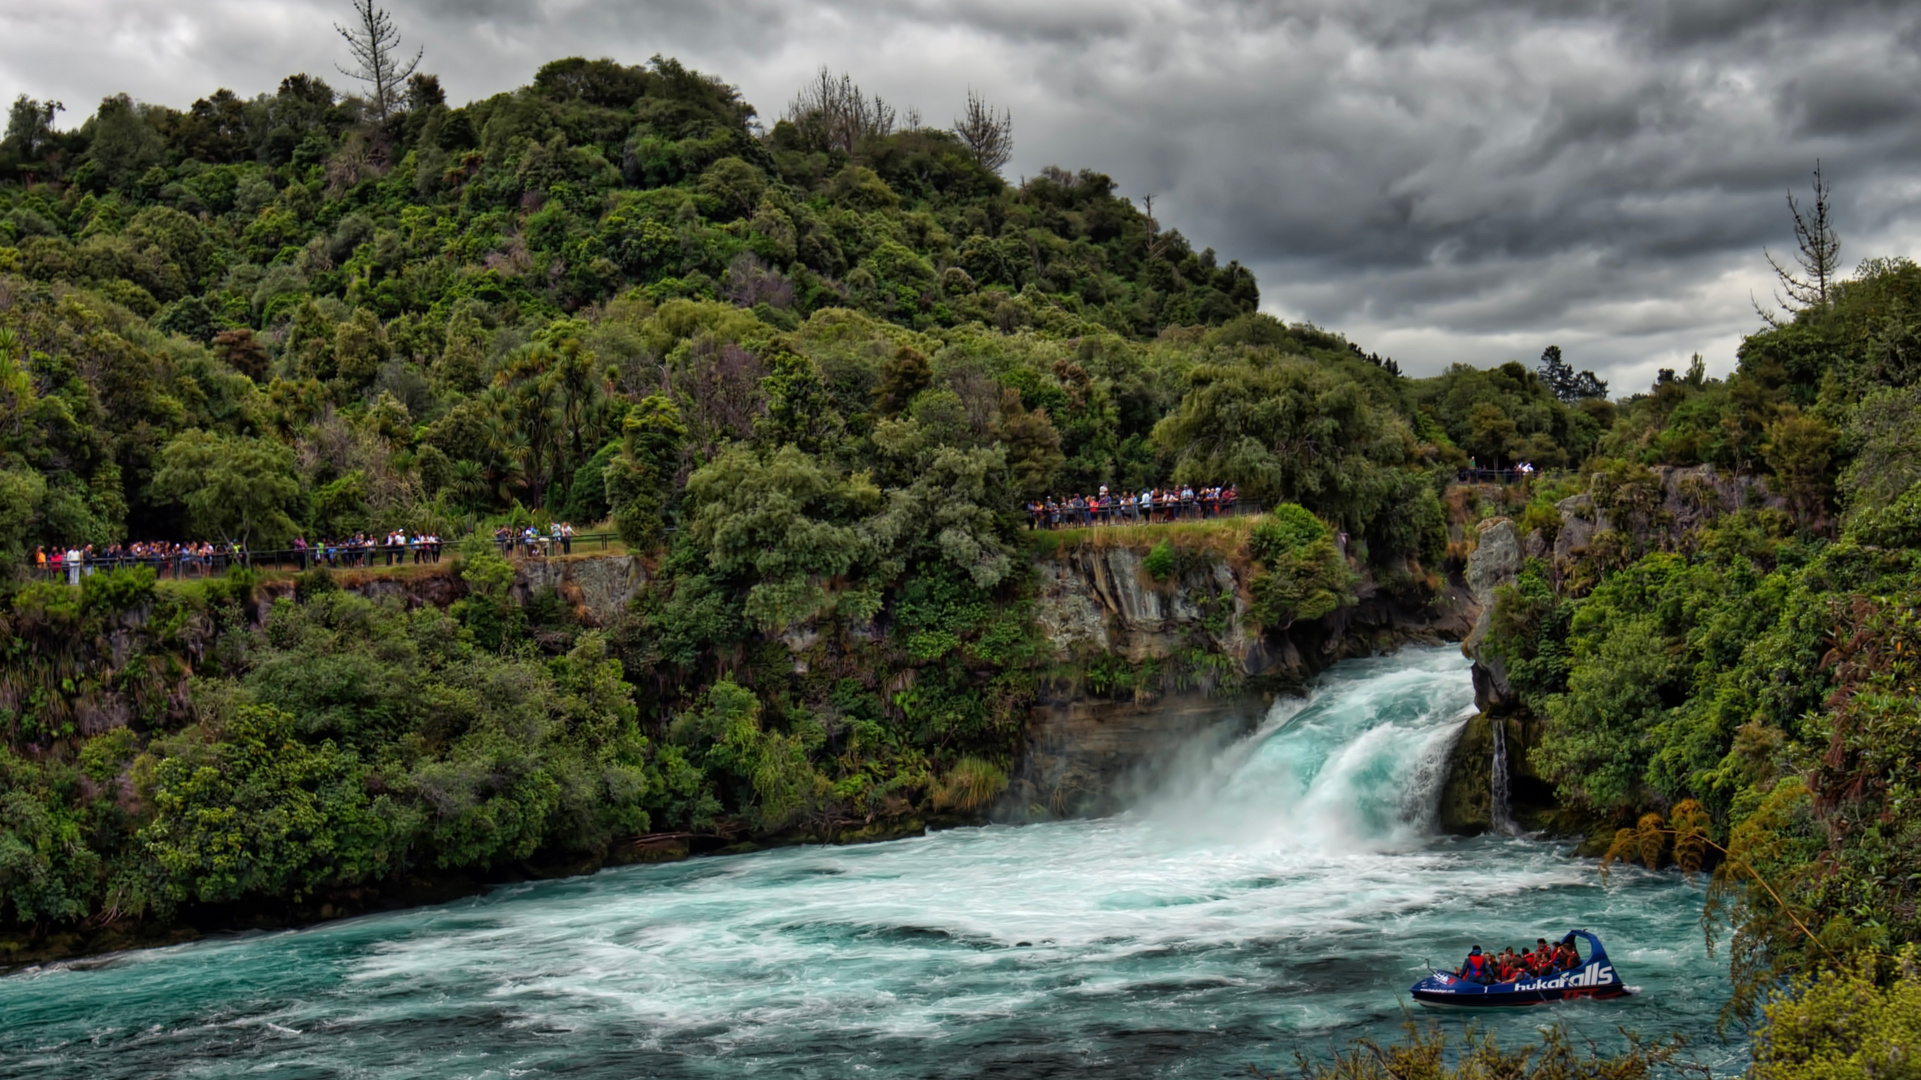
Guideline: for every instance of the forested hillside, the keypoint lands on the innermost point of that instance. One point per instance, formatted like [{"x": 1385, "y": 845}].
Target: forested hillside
[{"x": 811, "y": 374}]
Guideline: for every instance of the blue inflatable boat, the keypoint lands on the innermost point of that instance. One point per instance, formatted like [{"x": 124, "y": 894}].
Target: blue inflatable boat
[{"x": 1593, "y": 977}]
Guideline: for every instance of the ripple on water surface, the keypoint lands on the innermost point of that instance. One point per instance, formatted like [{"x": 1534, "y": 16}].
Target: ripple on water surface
[{"x": 1280, "y": 895}]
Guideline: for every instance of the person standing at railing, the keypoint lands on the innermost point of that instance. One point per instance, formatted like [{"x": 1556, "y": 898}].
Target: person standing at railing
[{"x": 566, "y": 538}]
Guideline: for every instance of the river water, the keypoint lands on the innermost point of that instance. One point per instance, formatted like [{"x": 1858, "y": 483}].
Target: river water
[{"x": 1280, "y": 893}]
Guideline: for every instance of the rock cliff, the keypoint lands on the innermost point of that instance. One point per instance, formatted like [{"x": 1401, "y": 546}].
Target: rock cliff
[{"x": 1671, "y": 504}]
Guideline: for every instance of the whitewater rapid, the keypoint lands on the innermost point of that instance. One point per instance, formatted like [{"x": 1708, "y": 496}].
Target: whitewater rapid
[{"x": 1281, "y": 893}]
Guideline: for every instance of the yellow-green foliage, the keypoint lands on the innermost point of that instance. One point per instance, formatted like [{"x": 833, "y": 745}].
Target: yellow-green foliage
[
  {"x": 970, "y": 785},
  {"x": 1223, "y": 538},
  {"x": 1430, "y": 1054},
  {"x": 1845, "y": 1025},
  {"x": 1160, "y": 561}
]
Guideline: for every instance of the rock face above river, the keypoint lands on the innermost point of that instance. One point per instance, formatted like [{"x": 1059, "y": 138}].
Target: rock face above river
[
  {"x": 1101, "y": 600},
  {"x": 1495, "y": 562}
]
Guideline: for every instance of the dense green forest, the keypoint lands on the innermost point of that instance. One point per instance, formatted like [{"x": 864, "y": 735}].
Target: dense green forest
[{"x": 810, "y": 374}]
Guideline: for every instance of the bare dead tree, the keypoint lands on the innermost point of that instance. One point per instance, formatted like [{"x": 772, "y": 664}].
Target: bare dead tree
[
  {"x": 988, "y": 134},
  {"x": 375, "y": 45},
  {"x": 1818, "y": 257},
  {"x": 1156, "y": 242},
  {"x": 836, "y": 112}
]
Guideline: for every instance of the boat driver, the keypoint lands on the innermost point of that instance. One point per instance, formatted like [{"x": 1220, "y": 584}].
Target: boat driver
[{"x": 1475, "y": 968}]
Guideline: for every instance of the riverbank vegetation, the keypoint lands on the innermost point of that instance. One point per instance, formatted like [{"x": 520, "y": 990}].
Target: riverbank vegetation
[
  {"x": 810, "y": 374},
  {"x": 1758, "y": 663}
]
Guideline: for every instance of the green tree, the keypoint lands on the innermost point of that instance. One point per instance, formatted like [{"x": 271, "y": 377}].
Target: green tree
[
  {"x": 1800, "y": 449},
  {"x": 639, "y": 479},
  {"x": 1285, "y": 431},
  {"x": 800, "y": 409},
  {"x": 784, "y": 525},
  {"x": 1302, "y": 574},
  {"x": 257, "y": 812},
  {"x": 122, "y": 143},
  {"x": 231, "y": 486}
]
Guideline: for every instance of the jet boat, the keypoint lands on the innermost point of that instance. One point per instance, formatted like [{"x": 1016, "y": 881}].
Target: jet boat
[{"x": 1593, "y": 977}]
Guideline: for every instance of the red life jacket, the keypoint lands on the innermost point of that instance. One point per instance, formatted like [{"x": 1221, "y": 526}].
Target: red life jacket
[{"x": 1476, "y": 965}]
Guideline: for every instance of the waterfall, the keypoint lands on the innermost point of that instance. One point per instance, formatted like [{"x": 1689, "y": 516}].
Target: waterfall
[
  {"x": 1500, "y": 816},
  {"x": 1359, "y": 765}
]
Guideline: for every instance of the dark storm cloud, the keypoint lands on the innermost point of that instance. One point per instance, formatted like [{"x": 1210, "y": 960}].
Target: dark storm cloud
[{"x": 1447, "y": 180}]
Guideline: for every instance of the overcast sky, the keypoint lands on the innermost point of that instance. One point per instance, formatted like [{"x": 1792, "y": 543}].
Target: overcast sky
[{"x": 1456, "y": 180}]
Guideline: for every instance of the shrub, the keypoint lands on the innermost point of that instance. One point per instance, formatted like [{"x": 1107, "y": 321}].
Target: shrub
[
  {"x": 1289, "y": 528},
  {"x": 1841, "y": 1025},
  {"x": 970, "y": 785},
  {"x": 1160, "y": 562}
]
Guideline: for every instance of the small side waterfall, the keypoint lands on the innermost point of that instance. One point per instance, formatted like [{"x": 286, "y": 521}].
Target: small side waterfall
[{"x": 1499, "y": 814}]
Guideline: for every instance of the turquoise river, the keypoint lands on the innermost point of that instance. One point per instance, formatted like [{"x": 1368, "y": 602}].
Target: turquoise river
[{"x": 1278, "y": 894}]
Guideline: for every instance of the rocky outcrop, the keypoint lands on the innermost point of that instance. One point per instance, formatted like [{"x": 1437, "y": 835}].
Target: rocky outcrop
[
  {"x": 1087, "y": 758},
  {"x": 1689, "y": 498},
  {"x": 1102, "y": 600},
  {"x": 597, "y": 587},
  {"x": 1467, "y": 795},
  {"x": 1665, "y": 507},
  {"x": 1495, "y": 562}
]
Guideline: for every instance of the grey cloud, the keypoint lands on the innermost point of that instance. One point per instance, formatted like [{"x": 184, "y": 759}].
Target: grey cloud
[{"x": 1456, "y": 178}]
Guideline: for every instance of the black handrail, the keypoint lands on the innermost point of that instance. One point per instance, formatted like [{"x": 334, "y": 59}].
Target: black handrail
[
  {"x": 1495, "y": 476},
  {"x": 180, "y": 566},
  {"x": 183, "y": 567}
]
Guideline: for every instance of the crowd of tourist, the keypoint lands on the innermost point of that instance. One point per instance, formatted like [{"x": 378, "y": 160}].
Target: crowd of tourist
[
  {"x": 205, "y": 559},
  {"x": 531, "y": 541},
  {"x": 1148, "y": 507},
  {"x": 176, "y": 560},
  {"x": 397, "y": 548}
]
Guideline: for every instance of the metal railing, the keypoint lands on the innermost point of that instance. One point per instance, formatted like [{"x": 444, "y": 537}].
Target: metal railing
[
  {"x": 1083, "y": 518},
  {"x": 181, "y": 566}
]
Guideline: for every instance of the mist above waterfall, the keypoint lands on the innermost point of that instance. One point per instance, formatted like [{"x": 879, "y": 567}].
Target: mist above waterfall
[{"x": 1355, "y": 766}]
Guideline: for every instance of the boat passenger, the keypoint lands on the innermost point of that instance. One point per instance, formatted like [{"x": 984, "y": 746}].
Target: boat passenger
[
  {"x": 1565, "y": 958},
  {"x": 1510, "y": 965}
]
